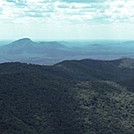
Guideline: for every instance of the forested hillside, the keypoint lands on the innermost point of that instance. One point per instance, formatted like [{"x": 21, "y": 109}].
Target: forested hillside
[{"x": 71, "y": 97}]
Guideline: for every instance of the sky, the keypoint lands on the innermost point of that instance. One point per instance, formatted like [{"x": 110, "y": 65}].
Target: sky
[{"x": 67, "y": 19}]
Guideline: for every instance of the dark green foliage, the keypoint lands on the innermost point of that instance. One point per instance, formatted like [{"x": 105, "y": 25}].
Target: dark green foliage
[{"x": 72, "y": 97}]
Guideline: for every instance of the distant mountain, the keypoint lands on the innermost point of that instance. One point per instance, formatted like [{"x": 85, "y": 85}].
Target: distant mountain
[
  {"x": 70, "y": 97},
  {"x": 51, "y": 45},
  {"x": 128, "y": 43},
  {"x": 51, "y": 52},
  {"x": 26, "y": 50},
  {"x": 27, "y": 45},
  {"x": 22, "y": 42},
  {"x": 18, "y": 47}
]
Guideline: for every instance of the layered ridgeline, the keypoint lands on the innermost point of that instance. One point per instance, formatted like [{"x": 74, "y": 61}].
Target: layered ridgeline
[
  {"x": 71, "y": 97},
  {"x": 28, "y": 51}
]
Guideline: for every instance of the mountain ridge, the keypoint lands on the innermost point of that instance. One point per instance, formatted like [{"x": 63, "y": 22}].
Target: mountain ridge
[
  {"x": 86, "y": 69},
  {"x": 26, "y": 50},
  {"x": 51, "y": 52}
]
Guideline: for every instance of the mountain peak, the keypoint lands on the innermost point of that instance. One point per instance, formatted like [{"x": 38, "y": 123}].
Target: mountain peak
[
  {"x": 23, "y": 39},
  {"x": 19, "y": 46}
]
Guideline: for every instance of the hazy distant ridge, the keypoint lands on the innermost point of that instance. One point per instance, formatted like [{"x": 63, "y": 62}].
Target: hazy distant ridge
[{"x": 26, "y": 50}]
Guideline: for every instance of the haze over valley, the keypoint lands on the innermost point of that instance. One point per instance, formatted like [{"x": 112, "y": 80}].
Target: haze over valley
[{"x": 51, "y": 52}]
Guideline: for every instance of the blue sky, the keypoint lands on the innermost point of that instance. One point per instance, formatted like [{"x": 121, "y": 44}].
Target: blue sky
[{"x": 67, "y": 19}]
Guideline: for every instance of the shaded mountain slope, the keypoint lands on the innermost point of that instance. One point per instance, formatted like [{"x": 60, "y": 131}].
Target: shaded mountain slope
[
  {"x": 107, "y": 70},
  {"x": 87, "y": 69},
  {"x": 58, "y": 99}
]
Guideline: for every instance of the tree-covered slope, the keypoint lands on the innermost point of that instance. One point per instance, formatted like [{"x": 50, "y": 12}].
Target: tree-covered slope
[{"x": 72, "y": 97}]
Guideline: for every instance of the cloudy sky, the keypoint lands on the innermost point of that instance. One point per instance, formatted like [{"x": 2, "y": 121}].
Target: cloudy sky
[{"x": 67, "y": 19}]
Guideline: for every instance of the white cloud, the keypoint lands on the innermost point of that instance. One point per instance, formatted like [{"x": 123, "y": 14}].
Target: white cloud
[{"x": 63, "y": 11}]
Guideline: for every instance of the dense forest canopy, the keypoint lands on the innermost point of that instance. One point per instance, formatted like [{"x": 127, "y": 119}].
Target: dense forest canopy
[{"x": 71, "y": 97}]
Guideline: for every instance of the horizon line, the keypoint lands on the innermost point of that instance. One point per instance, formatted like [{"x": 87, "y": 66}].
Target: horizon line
[{"x": 86, "y": 39}]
